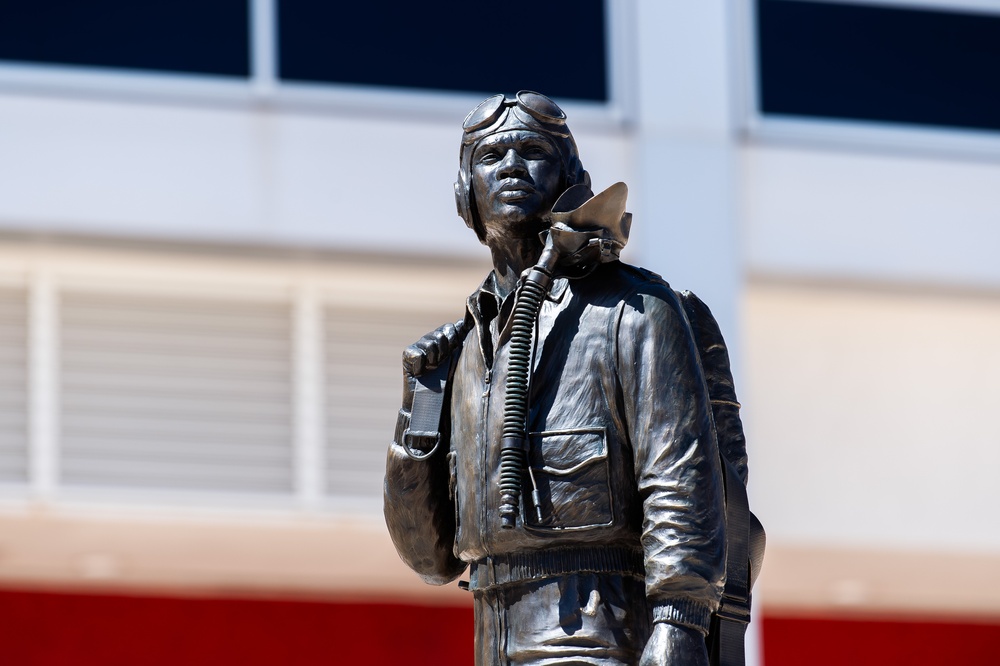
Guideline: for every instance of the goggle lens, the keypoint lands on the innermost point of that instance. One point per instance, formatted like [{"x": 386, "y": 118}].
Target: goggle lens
[
  {"x": 536, "y": 105},
  {"x": 540, "y": 107},
  {"x": 485, "y": 114}
]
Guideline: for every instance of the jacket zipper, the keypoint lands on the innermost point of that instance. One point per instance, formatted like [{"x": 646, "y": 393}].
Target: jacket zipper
[{"x": 484, "y": 458}]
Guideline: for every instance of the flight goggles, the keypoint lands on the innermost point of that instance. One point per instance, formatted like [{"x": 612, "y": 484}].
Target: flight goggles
[{"x": 529, "y": 110}]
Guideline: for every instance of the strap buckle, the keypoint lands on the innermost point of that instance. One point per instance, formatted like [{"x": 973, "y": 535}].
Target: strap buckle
[
  {"x": 412, "y": 438},
  {"x": 734, "y": 609}
]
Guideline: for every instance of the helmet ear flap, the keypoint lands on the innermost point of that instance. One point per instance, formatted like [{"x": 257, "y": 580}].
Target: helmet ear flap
[
  {"x": 576, "y": 174},
  {"x": 463, "y": 202}
]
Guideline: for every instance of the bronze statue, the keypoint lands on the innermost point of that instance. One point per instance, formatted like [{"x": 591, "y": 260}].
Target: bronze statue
[{"x": 561, "y": 439}]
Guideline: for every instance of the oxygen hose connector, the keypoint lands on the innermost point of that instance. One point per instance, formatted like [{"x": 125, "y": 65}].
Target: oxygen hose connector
[{"x": 585, "y": 231}]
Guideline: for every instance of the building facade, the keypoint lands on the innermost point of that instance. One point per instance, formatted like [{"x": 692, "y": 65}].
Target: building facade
[{"x": 219, "y": 227}]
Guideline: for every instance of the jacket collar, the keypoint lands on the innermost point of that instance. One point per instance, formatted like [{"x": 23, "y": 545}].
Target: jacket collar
[{"x": 484, "y": 305}]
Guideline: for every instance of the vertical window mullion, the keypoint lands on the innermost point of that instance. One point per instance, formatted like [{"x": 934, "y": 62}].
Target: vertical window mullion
[
  {"x": 307, "y": 396},
  {"x": 263, "y": 47},
  {"x": 43, "y": 384}
]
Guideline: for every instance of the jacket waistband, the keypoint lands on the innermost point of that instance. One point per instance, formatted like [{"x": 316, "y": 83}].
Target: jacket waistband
[{"x": 495, "y": 570}]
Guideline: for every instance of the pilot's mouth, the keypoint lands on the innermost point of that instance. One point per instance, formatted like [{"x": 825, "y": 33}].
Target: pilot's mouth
[{"x": 515, "y": 192}]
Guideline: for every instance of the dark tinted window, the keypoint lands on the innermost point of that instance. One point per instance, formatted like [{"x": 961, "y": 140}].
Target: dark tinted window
[
  {"x": 879, "y": 63},
  {"x": 556, "y": 47},
  {"x": 188, "y": 36}
]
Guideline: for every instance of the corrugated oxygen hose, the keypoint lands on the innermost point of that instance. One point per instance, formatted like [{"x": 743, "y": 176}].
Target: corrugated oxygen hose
[
  {"x": 576, "y": 251},
  {"x": 513, "y": 453}
]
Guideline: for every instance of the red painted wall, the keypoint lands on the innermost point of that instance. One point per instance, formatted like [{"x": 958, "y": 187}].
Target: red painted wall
[
  {"x": 793, "y": 641},
  {"x": 54, "y": 629},
  {"x": 45, "y": 629}
]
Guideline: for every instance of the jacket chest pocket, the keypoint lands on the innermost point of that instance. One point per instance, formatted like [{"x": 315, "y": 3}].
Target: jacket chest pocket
[{"x": 569, "y": 469}]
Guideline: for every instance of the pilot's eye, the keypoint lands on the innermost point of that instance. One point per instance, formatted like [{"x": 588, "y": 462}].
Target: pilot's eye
[{"x": 489, "y": 157}]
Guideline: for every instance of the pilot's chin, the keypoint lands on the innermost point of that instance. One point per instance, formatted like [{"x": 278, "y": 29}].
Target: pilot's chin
[{"x": 525, "y": 227}]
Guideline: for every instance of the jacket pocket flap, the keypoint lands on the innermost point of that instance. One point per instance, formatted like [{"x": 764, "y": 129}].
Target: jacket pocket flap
[{"x": 563, "y": 452}]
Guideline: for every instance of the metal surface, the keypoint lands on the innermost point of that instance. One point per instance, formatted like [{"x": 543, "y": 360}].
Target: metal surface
[{"x": 613, "y": 549}]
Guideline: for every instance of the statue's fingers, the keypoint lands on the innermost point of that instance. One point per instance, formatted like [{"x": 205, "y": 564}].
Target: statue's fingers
[
  {"x": 414, "y": 360},
  {"x": 436, "y": 349},
  {"x": 450, "y": 335}
]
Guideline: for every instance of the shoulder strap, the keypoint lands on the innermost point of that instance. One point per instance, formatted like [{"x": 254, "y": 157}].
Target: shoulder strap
[
  {"x": 744, "y": 534},
  {"x": 430, "y": 394},
  {"x": 423, "y": 436},
  {"x": 728, "y": 631}
]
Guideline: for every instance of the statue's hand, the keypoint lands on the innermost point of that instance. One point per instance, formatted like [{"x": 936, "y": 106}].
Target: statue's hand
[
  {"x": 673, "y": 645},
  {"x": 429, "y": 351}
]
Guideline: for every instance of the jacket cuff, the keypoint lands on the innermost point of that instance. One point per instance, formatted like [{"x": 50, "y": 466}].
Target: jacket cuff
[{"x": 684, "y": 612}]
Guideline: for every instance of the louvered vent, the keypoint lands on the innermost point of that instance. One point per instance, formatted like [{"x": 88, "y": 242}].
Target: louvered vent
[
  {"x": 13, "y": 386},
  {"x": 363, "y": 388},
  {"x": 176, "y": 393}
]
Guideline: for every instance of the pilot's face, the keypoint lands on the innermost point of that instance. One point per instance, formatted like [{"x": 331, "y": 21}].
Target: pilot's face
[{"x": 516, "y": 177}]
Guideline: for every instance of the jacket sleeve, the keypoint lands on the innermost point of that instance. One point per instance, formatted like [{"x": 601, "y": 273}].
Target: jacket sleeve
[
  {"x": 676, "y": 458},
  {"x": 719, "y": 377},
  {"x": 419, "y": 511}
]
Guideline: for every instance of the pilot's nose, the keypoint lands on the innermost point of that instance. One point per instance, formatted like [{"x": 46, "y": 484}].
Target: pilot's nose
[{"x": 512, "y": 166}]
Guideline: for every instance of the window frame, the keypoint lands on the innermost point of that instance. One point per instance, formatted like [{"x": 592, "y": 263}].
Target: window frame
[
  {"x": 759, "y": 128},
  {"x": 263, "y": 90}
]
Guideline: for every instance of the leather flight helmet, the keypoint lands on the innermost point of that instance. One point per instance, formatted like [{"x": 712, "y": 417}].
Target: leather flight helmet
[{"x": 529, "y": 111}]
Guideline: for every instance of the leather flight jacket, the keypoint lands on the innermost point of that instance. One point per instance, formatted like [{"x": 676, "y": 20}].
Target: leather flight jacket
[{"x": 623, "y": 464}]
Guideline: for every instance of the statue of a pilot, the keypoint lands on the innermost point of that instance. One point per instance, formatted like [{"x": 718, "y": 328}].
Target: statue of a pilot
[{"x": 614, "y": 551}]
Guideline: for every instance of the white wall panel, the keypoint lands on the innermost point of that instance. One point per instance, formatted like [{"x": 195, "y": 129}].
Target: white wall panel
[
  {"x": 870, "y": 216},
  {"x": 871, "y": 417},
  {"x": 374, "y": 181},
  {"x": 99, "y": 167}
]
